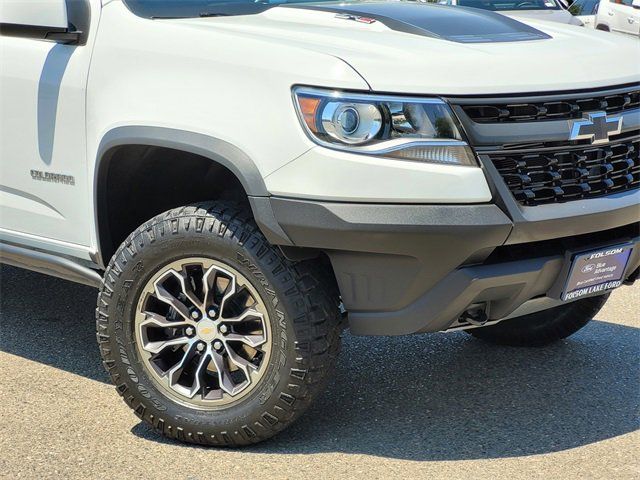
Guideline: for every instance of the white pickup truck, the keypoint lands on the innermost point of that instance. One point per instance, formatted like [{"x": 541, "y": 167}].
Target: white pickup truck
[{"x": 241, "y": 180}]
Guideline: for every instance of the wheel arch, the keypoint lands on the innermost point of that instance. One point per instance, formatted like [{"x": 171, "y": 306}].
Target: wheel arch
[{"x": 219, "y": 152}]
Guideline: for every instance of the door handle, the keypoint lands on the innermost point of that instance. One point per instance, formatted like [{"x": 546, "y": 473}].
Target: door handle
[
  {"x": 610, "y": 13},
  {"x": 631, "y": 20}
]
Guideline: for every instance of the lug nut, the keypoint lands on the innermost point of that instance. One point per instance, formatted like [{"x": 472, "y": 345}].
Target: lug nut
[
  {"x": 217, "y": 345},
  {"x": 212, "y": 312},
  {"x": 189, "y": 331},
  {"x": 223, "y": 329},
  {"x": 195, "y": 315},
  {"x": 200, "y": 346}
]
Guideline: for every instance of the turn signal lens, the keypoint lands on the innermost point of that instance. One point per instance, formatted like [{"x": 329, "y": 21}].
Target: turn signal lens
[{"x": 309, "y": 110}]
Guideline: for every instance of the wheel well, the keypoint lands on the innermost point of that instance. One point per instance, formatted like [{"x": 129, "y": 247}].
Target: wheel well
[{"x": 137, "y": 182}]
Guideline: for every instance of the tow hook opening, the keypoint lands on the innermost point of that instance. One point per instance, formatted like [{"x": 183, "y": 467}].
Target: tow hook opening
[{"x": 475, "y": 315}]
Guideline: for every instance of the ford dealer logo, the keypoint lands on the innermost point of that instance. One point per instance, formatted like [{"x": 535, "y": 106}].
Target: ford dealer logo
[{"x": 588, "y": 268}]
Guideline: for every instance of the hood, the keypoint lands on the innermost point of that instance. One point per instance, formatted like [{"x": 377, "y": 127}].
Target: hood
[
  {"x": 560, "y": 16},
  {"x": 410, "y": 47}
]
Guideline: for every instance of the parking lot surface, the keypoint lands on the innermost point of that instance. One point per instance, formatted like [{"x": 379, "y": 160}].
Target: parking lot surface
[{"x": 437, "y": 406}]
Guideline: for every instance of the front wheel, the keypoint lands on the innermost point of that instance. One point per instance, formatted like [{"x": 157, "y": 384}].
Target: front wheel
[
  {"x": 210, "y": 335},
  {"x": 542, "y": 328}
]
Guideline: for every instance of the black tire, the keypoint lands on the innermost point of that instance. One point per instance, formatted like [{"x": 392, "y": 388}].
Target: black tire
[
  {"x": 303, "y": 313},
  {"x": 542, "y": 328}
]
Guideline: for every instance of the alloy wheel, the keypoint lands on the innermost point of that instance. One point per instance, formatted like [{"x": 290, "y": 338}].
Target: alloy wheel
[{"x": 202, "y": 331}]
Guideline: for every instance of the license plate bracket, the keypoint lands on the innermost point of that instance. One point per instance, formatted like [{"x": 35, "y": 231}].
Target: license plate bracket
[{"x": 596, "y": 271}]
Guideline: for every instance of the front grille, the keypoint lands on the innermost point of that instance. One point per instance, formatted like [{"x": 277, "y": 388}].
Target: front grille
[
  {"x": 552, "y": 109},
  {"x": 570, "y": 173}
]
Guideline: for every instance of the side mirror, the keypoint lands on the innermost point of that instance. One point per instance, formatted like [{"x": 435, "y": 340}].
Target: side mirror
[{"x": 37, "y": 19}]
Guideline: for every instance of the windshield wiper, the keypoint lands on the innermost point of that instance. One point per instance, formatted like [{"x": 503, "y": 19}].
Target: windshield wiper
[
  {"x": 202, "y": 15},
  {"x": 213, "y": 14}
]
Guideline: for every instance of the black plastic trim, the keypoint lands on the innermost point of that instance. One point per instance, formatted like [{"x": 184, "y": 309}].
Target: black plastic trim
[
  {"x": 386, "y": 256},
  {"x": 48, "y": 264},
  {"x": 79, "y": 17},
  {"x": 217, "y": 150},
  {"x": 416, "y": 268},
  {"x": 36, "y": 32},
  {"x": 495, "y": 136},
  {"x": 501, "y": 287},
  {"x": 538, "y": 96}
]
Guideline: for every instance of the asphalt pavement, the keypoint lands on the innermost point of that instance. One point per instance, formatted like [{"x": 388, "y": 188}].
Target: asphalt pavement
[{"x": 429, "y": 406}]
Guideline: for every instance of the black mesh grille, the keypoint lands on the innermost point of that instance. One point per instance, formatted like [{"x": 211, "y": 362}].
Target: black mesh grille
[
  {"x": 569, "y": 174},
  {"x": 552, "y": 110}
]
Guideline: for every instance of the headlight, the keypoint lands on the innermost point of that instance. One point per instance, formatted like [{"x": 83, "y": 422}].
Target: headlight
[{"x": 404, "y": 128}]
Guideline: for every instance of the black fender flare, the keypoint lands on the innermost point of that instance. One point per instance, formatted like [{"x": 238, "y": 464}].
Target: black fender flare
[
  {"x": 218, "y": 150},
  {"x": 215, "y": 149}
]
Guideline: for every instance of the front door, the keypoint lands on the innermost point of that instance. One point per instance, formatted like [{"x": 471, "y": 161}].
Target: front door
[{"x": 43, "y": 168}]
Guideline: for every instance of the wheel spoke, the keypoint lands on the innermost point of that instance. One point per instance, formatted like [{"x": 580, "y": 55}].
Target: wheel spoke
[
  {"x": 209, "y": 285},
  {"x": 251, "y": 340},
  {"x": 157, "y": 320},
  {"x": 174, "y": 373},
  {"x": 202, "y": 364},
  {"x": 187, "y": 290},
  {"x": 241, "y": 363},
  {"x": 224, "y": 376},
  {"x": 165, "y": 296},
  {"x": 228, "y": 293},
  {"x": 157, "y": 347}
]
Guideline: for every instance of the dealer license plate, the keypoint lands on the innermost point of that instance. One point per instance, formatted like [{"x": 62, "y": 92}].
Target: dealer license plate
[{"x": 596, "y": 272}]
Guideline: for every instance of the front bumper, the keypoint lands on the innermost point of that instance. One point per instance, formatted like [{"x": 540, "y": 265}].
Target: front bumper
[
  {"x": 417, "y": 268},
  {"x": 415, "y": 262}
]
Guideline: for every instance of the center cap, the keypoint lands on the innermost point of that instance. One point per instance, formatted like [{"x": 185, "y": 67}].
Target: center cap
[{"x": 206, "y": 330}]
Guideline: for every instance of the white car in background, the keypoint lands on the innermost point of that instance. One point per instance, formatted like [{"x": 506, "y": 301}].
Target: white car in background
[
  {"x": 621, "y": 16},
  {"x": 548, "y": 10}
]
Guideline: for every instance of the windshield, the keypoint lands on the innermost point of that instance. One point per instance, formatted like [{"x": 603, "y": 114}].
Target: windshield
[{"x": 501, "y": 5}]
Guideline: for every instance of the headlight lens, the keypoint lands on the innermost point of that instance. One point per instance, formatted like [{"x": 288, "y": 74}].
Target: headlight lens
[{"x": 418, "y": 129}]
